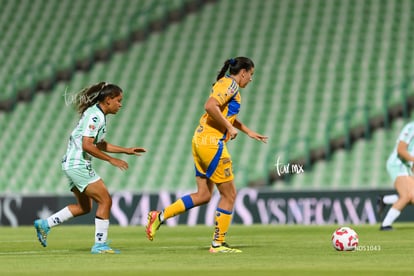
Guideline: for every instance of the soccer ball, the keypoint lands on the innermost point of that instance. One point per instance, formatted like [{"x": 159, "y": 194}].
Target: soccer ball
[{"x": 345, "y": 239}]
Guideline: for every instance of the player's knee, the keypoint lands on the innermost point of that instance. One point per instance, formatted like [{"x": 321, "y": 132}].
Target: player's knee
[
  {"x": 82, "y": 210},
  {"x": 85, "y": 210},
  {"x": 406, "y": 198},
  {"x": 410, "y": 197},
  {"x": 106, "y": 201}
]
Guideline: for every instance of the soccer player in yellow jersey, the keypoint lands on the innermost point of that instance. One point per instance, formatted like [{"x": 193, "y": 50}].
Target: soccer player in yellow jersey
[{"x": 213, "y": 165}]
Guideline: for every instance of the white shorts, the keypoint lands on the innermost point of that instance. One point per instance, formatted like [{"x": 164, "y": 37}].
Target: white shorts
[
  {"x": 81, "y": 177},
  {"x": 395, "y": 170}
]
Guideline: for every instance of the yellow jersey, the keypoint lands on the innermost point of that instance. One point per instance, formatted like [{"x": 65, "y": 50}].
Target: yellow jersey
[{"x": 226, "y": 92}]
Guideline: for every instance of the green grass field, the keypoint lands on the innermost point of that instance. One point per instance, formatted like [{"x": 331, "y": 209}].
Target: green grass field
[{"x": 183, "y": 250}]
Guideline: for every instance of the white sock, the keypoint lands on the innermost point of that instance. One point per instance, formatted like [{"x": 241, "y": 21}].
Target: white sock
[
  {"x": 391, "y": 216},
  {"x": 390, "y": 199},
  {"x": 59, "y": 217},
  {"x": 101, "y": 230}
]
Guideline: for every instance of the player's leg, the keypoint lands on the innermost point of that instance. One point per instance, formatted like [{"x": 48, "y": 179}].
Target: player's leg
[
  {"x": 223, "y": 218},
  {"x": 203, "y": 195},
  {"x": 389, "y": 199},
  {"x": 205, "y": 158},
  {"x": 404, "y": 186},
  {"x": 384, "y": 200},
  {"x": 393, "y": 170},
  {"x": 223, "y": 176},
  {"x": 99, "y": 193},
  {"x": 224, "y": 211},
  {"x": 43, "y": 226},
  {"x": 83, "y": 206}
]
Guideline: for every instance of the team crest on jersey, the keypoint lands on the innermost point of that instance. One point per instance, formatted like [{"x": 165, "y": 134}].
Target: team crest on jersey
[
  {"x": 231, "y": 90},
  {"x": 92, "y": 127}
]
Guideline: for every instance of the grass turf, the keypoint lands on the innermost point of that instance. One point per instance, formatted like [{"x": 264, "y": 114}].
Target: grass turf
[{"x": 183, "y": 250}]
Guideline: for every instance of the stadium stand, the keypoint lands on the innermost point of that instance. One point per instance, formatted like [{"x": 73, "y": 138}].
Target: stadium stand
[
  {"x": 44, "y": 39},
  {"x": 318, "y": 64},
  {"x": 361, "y": 167}
]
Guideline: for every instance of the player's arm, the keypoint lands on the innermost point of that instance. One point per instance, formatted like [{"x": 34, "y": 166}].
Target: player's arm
[
  {"x": 92, "y": 149},
  {"x": 212, "y": 107},
  {"x": 252, "y": 134},
  {"x": 402, "y": 151},
  {"x": 108, "y": 147}
]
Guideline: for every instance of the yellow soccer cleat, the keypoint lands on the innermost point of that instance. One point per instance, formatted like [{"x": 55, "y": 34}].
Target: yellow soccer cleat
[
  {"x": 153, "y": 224},
  {"x": 223, "y": 248}
]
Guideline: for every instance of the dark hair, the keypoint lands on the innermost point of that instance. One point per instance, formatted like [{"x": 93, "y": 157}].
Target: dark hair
[
  {"x": 94, "y": 94},
  {"x": 234, "y": 65}
]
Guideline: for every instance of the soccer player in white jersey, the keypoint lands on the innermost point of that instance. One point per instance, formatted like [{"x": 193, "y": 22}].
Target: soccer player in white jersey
[
  {"x": 399, "y": 167},
  {"x": 87, "y": 140}
]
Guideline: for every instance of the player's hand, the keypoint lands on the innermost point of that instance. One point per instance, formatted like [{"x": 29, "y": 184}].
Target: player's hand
[
  {"x": 232, "y": 133},
  {"x": 258, "y": 137},
  {"x": 135, "y": 151},
  {"x": 119, "y": 163}
]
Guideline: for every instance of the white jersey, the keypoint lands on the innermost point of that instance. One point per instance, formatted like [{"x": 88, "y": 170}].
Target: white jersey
[
  {"x": 91, "y": 124},
  {"x": 407, "y": 136}
]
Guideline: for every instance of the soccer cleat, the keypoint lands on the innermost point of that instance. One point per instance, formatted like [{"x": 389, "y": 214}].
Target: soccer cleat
[
  {"x": 103, "y": 248},
  {"x": 380, "y": 205},
  {"x": 386, "y": 228},
  {"x": 153, "y": 224},
  {"x": 223, "y": 248},
  {"x": 42, "y": 229}
]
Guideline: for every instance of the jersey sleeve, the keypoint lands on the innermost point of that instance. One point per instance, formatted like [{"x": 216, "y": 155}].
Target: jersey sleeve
[
  {"x": 92, "y": 125},
  {"x": 407, "y": 134},
  {"x": 224, "y": 91}
]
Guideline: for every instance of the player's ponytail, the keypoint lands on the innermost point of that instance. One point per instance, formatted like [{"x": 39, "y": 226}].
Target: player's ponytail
[
  {"x": 95, "y": 93},
  {"x": 234, "y": 65},
  {"x": 224, "y": 68}
]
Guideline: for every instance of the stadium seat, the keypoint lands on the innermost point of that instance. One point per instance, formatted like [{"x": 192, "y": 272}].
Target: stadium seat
[{"x": 309, "y": 56}]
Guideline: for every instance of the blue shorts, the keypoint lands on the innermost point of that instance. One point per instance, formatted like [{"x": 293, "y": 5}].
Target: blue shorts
[{"x": 81, "y": 177}]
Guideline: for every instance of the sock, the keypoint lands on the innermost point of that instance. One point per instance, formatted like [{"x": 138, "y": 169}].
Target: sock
[
  {"x": 178, "y": 207},
  {"x": 390, "y": 199},
  {"x": 223, "y": 220},
  {"x": 391, "y": 216},
  {"x": 101, "y": 230},
  {"x": 59, "y": 217}
]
